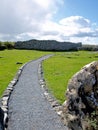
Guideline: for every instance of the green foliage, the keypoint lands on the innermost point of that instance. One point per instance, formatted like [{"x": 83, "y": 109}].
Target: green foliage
[
  {"x": 2, "y": 47},
  {"x": 90, "y": 47},
  {"x": 91, "y": 121},
  {"x": 6, "y": 45},
  {"x": 60, "y": 68},
  {"x": 9, "y": 45}
]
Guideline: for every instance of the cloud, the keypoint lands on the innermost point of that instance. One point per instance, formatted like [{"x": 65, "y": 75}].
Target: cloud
[
  {"x": 28, "y": 19},
  {"x": 80, "y": 29},
  {"x": 78, "y": 26},
  {"x": 77, "y": 21},
  {"x": 74, "y": 28},
  {"x": 19, "y": 16}
]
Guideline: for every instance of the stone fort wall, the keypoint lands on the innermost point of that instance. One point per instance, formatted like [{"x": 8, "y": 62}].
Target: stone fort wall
[{"x": 47, "y": 45}]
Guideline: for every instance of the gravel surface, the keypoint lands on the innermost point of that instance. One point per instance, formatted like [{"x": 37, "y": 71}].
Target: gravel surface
[{"x": 28, "y": 108}]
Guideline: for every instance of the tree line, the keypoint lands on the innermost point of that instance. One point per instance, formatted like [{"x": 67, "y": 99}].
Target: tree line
[{"x": 6, "y": 45}]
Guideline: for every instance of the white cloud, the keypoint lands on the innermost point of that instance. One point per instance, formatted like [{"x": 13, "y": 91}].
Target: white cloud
[
  {"x": 74, "y": 28},
  {"x": 77, "y": 26},
  {"x": 28, "y": 19},
  {"x": 75, "y": 21},
  {"x": 25, "y": 16}
]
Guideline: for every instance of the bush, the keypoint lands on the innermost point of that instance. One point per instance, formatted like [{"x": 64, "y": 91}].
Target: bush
[
  {"x": 90, "y": 47},
  {"x": 9, "y": 45},
  {"x": 2, "y": 47},
  {"x": 6, "y": 45}
]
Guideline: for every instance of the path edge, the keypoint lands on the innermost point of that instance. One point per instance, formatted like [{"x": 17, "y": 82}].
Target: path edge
[
  {"x": 48, "y": 95},
  {"x": 6, "y": 96},
  {"x": 7, "y": 93}
]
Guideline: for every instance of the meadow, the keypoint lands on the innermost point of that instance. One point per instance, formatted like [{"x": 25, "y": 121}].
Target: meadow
[
  {"x": 60, "y": 68},
  {"x": 11, "y": 60},
  {"x": 57, "y": 69}
]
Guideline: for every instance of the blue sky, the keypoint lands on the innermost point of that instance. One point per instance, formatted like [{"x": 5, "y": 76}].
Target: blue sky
[
  {"x": 62, "y": 20},
  {"x": 85, "y": 8}
]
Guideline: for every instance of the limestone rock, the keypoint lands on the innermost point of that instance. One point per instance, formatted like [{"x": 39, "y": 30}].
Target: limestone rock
[
  {"x": 81, "y": 107},
  {"x": 1, "y": 119},
  {"x": 47, "y": 45}
]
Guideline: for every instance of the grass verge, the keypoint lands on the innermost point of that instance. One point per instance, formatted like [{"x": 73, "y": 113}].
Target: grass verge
[
  {"x": 60, "y": 68},
  {"x": 11, "y": 60},
  {"x": 57, "y": 70}
]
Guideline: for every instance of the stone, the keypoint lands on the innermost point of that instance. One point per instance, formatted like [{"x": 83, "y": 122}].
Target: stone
[
  {"x": 59, "y": 113},
  {"x": 5, "y": 98},
  {"x": 19, "y": 63},
  {"x": 13, "y": 82},
  {"x": 47, "y": 45},
  {"x": 81, "y": 107},
  {"x": 5, "y": 109},
  {"x": 10, "y": 88},
  {"x": 55, "y": 103},
  {"x": 1, "y": 119},
  {"x": 4, "y": 102},
  {"x": 7, "y": 93}
]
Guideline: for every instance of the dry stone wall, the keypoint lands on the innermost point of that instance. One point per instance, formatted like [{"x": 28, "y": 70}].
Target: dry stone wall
[{"x": 47, "y": 45}]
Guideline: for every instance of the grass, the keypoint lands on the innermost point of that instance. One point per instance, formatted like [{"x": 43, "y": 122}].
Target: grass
[
  {"x": 60, "y": 68},
  {"x": 57, "y": 69},
  {"x": 9, "y": 66}
]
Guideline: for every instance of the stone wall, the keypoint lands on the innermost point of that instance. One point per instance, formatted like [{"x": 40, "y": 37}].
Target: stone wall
[
  {"x": 5, "y": 99},
  {"x": 47, "y": 45},
  {"x": 81, "y": 107}
]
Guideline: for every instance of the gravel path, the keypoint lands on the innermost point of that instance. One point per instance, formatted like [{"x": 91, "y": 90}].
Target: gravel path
[{"x": 28, "y": 108}]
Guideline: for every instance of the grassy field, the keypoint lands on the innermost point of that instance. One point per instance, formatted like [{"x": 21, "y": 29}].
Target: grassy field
[
  {"x": 9, "y": 66},
  {"x": 57, "y": 70},
  {"x": 60, "y": 68}
]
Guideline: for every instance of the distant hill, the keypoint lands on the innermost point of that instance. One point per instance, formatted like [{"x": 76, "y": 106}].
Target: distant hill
[{"x": 48, "y": 45}]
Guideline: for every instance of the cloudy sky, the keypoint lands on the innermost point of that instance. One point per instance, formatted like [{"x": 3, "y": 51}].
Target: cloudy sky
[{"x": 62, "y": 20}]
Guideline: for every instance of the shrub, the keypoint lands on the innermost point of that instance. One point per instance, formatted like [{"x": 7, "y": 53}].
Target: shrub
[
  {"x": 90, "y": 47},
  {"x": 2, "y": 47},
  {"x": 9, "y": 45}
]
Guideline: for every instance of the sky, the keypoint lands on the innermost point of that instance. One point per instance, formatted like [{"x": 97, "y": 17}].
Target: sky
[{"x": 61, "y": 20}]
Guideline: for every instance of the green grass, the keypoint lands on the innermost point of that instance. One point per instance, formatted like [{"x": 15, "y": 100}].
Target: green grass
[
  {"x": 60, "y": 68},
  {"x": 57, "y": 70},
  {"x": 8, "y": 66}
]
